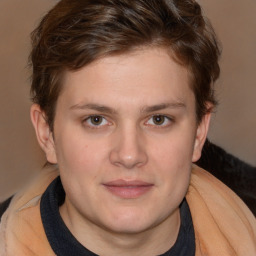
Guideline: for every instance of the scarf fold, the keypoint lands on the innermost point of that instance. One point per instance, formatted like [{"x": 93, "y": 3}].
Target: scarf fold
[{"x": 223, "y": 224}]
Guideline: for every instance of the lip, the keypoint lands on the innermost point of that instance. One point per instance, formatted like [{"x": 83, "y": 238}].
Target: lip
[{"x": 128, "y": 189}]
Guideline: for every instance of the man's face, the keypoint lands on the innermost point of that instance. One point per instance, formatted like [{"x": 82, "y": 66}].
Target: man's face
[{"x": 125, "y": 135}]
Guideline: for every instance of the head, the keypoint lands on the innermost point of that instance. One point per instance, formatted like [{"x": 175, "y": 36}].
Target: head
[
  {"x": 123, "y": 92},
  {"x": 76, "y": 33}
]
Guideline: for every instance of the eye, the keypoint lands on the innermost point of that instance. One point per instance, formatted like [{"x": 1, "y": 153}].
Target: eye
[
  {"x": 96, "y": 121},
  {"x": 159, "y": 120}
]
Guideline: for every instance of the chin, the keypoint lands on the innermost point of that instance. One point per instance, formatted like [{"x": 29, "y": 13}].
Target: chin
[
  {"x": 131, "y": 221},
  {"x": 125, "y": 222},
  {"x": 129, "y": 228}
]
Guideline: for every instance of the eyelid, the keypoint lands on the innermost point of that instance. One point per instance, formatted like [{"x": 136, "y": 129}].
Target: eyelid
[
  {"x": 92, "y": 126},
  {"x": 169, "y": 118}
]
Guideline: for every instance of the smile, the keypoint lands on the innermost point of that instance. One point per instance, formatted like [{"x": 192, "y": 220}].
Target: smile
[{"x": 128, "y": 189}]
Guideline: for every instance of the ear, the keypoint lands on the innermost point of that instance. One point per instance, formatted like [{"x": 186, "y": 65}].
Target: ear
[
  {"x": 201, "y": 134},
  {"x": 43, "y": 133}
]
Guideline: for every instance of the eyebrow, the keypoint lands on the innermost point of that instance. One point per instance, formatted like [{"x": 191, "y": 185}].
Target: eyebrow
[
  {"x": 97, "y": 107},
  {"x": 154, "y": 108},
  {"x": 146, "y": 109}
]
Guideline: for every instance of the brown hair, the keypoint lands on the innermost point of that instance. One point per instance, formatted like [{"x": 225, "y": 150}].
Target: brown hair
[{"x": 75, "y": 33}]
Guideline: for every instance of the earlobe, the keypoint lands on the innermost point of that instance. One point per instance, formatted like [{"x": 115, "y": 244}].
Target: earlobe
[
  {"x": 43, "y": 133},
  {"x": 201, "y": 135}
]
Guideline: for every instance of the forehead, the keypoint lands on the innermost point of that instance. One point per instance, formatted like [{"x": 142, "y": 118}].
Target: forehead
[{"x": 148, "y": 75}]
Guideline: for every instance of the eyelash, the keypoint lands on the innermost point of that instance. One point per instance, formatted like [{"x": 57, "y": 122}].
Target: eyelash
[
  {"x": 166, "y": 122},
  {"x": 94, "y": 126}
]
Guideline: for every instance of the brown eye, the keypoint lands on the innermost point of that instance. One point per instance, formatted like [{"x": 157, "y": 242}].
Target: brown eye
[
  {"x": 159, "y": 120},
  {"x": 96, "y": 120}
]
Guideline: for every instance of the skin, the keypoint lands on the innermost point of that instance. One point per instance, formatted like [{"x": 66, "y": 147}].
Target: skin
[{"x": 124, "y": 119}]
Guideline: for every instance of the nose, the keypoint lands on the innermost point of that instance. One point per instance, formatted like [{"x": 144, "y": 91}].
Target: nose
[{"x": 129, "y": 150}]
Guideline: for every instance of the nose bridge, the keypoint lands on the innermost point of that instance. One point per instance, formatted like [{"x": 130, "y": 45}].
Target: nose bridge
[{"x": 129, "y": 150}]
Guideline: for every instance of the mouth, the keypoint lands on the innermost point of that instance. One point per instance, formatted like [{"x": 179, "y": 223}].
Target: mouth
[{"x": 128, "y": 189}]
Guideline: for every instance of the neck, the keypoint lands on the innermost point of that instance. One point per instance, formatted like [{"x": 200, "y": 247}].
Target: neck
[{"x": 155, "y": 240}]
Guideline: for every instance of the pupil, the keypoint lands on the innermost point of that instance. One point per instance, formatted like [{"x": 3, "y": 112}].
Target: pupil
[
  {"x": 158, "y": 120},
  {"x": 96, "y": 120}
]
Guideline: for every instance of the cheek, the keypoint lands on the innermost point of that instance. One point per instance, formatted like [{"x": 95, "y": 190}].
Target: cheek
[
  {"x": 80, "y": 166},
  {"x": 173, "y": 150},
  {"x": 173, "y": 160},
  {"x": 78, "y": 154}
]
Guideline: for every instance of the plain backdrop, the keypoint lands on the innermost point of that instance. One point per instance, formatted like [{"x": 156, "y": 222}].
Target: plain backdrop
[{"x": 233, "y": 126}]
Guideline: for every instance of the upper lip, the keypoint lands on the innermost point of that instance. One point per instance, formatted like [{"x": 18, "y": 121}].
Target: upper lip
[{"x": 127, "y": 183}]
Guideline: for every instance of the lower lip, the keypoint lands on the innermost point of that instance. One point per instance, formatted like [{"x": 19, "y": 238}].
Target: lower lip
[{"x": 129, "y": 192}]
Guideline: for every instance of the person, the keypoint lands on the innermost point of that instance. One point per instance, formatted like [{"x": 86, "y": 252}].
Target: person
[{"x": 122, "y": 97}]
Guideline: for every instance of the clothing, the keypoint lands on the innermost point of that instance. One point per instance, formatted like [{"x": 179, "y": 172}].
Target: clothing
[
  {"x": 4, "y": 205},
  {"x": 223, "y": 224},
  {"x": 64, "y": 243},
  {"x": 232, "y": 171}
]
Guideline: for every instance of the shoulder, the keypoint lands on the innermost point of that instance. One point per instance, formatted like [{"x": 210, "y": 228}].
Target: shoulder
[
  {"x": 21, "y": 219},
  {"x": 35, "y": 187},
  {"x": 236, "y": 174},
  {"x": 222, "y": 221},
  {"x": 215, "y": 193}
]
